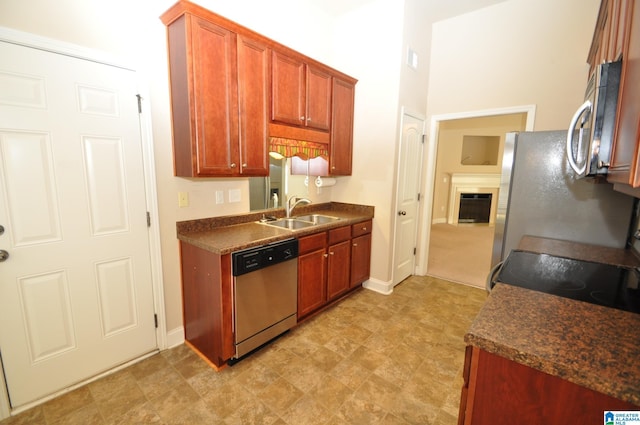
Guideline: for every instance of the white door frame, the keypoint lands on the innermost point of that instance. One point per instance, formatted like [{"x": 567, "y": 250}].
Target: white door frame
[
  {"x": 55, "y": 46},
  {"x": 425, "y": 234}
]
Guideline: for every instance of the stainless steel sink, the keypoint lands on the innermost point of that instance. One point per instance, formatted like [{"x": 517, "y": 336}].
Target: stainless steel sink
[
  {"x": 302, "y": 221},
  {"x": 289, "y": 223},
  {"x": 318, "y": 218}
]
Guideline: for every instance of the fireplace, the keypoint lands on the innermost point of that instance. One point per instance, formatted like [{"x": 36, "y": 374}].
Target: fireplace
[
  {"x": 469, "y": 191},
  {"x": 475, "y": 208}
]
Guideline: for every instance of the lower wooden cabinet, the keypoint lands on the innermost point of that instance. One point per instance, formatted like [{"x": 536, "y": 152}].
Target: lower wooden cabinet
[
  {"x": 312, "y": 273},
  {"x": 498, "y": 391},
  {"x": 360, "y": 252},
  {"x": 207, "y": 307},
  {"x": 338, "y": 262},
  {"x": 330, "y": 264}
]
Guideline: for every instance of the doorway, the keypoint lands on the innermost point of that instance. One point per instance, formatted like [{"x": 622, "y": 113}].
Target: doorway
[{"x": 466, "y": 165}]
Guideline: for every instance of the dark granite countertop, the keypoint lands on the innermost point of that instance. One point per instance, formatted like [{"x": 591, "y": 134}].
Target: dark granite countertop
[
  {"x": 592, "y": 346},
  {"x": 223, "y": 235},
  {"x": 579, "y": 251}
]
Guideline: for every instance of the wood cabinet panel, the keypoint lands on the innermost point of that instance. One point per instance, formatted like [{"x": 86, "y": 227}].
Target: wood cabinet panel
[
  {"x": 501, "y": 391},
  {"x": 312, "y": 242},
  {"x": 312, "y": 287},
  {"x": 341, "y": 146},
  {"x": 359, "y": 229},
  {"x": 194, "y": 45},
  {"x": 625, "y": 156},
  {"x": 339, "y": 267},
  {"x": 318, "y": 112},
  {"x": 287, "y": 89},
  {"x": 253, "y": 98},
  {"x": 360, "y": 259},
  {"x": 207, "y": 306},
  {"x": 340, "y": 234}
]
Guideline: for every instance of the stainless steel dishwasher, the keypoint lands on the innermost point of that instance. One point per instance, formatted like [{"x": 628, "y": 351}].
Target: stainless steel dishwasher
[{"x": 265, "y": 293}]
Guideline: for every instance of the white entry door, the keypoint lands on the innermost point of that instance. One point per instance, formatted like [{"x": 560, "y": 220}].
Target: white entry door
[
  {"x": 76, "y": 295},
  {"x": 407, "y": 198}
]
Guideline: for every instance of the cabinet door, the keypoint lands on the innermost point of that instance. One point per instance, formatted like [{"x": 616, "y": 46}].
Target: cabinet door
[
  {"x": 318, "y": 112},
  {"x": 312, "y": 289},
  {"x": 338, "y": 269},
  {"x": 624, "y": 158},
  {"x": 341, "y": 128},
  {"x": 287, "y": 90},
  {"x": 215, "y": 116},
  {"x": 253, "y": 92},
  {"x": 360, "y": 259}
]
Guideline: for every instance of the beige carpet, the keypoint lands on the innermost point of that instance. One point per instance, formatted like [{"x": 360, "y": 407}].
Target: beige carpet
[{"x": 461, "y": 253}]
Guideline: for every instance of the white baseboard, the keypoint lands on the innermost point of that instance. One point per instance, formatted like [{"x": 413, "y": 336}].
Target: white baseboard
[
  {"x": 379, "y": 286},
  {"x": 175, "y": 337},
  {"x": 439, "y": 220}
]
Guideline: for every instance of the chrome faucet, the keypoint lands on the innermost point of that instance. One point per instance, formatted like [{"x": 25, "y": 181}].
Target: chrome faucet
[{"x": 296, "y": 201}]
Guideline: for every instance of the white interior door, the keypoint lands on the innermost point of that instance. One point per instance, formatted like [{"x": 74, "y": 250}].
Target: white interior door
[
  {"x": 76, "y": 295},
  {"x": 407, "y": 198}
]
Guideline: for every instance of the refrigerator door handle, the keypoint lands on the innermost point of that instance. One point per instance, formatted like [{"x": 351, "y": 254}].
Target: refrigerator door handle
[{"x": 572, "y": 161}]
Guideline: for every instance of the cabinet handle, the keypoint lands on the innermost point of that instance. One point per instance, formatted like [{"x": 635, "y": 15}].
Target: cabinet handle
[
  {"x": 244, "y": 165},
  {"x": 364, "y": 229},
  {"x": 302, "y": 118},
  {"x": 331, "y": 253},
  {"x": 326, "y": 255},
  {"x": 355, "y": 244},
  {"x": 233, "y": 165}
]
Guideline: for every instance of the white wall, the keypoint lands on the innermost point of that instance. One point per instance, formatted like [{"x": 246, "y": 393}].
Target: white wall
[
  {"x": 371, "y": 40},
  {"x": 517, "y": 52}
]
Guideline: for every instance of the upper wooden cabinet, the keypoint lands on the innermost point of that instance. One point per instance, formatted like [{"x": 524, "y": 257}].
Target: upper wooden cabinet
[
  {"x": 219, "y": 94},
  {"x": 341, "y": 148},
  {"x": 301, "y": 93},
  {"x": 617, "y": 36},
  {"x": 232, "y": 89}
]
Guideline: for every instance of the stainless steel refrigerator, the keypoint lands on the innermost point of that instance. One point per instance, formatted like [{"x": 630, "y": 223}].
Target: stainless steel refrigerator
[{"x": 540, "y": 196}]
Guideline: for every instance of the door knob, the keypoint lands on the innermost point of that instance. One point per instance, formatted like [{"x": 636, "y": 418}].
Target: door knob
[
  {"x": 1, "y": 229},
  {"x": 402, "y": 213},
  {"x": 3, "y": 255}
]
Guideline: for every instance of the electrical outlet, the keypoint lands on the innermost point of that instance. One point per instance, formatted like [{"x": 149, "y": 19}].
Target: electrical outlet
[
  {"x": 219, "y": 197},
  {"x": 183, "y": 199}
]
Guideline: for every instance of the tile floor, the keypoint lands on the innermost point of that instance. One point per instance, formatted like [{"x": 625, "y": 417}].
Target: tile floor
[{"x": 371, "y": 359}]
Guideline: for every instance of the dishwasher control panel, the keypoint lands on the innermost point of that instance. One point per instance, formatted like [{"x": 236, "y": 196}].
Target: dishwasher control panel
[{"x": 252, "y": 259}]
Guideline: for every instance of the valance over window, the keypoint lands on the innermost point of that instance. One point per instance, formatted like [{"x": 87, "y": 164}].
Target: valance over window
[{"x": 302, "y": 149}]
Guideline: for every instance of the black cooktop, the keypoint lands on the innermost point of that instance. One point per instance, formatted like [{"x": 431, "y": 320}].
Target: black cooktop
[{"x": 595, "y": 283}]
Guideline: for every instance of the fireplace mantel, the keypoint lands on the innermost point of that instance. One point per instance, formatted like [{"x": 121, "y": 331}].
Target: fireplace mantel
[{"x": 472, "y": 183}]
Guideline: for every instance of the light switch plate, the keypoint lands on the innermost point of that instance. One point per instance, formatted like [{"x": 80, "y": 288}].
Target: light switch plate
[
  {"x": 183, "y": 199},
  {"x": 234, "y": 195},
  {"x": 219, "y": 197}
]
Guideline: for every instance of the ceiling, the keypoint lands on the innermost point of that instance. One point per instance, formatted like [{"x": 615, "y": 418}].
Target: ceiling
[{"x": 439, "y": 9}]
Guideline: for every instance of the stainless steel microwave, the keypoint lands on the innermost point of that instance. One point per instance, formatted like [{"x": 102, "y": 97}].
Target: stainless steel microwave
[{"x": 590, "y": 135}]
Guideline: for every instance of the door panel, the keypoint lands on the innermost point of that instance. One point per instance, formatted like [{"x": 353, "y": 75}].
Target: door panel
[
  {"x": 76, "y": 291},
  {"x": 35, "y": 218},
  {"x": 409, "y": 166}
]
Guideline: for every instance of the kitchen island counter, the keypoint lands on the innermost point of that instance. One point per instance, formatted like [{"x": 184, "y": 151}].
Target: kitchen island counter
[{"x": 589, "y": 345}]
